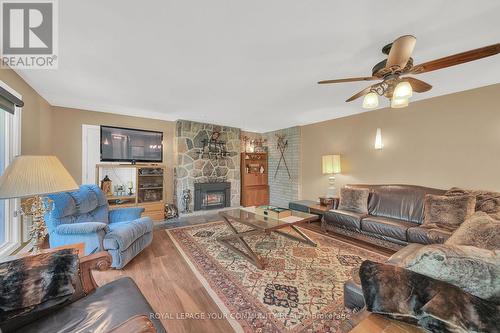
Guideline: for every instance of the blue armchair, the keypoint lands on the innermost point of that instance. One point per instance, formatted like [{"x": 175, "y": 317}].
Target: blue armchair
[{"x": 83, "y": 216}]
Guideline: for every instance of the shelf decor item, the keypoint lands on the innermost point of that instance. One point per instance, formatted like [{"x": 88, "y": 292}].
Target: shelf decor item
[
  {"x": 107, "y": 185},
  {"x": 32, "y": 177}
]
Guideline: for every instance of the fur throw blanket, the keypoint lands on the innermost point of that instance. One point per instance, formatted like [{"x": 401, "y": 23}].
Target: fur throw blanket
[
  {"x": 472, "y": 269},
  {"x": 37, "y": 282},
  {"x": 432, "y": 304}
]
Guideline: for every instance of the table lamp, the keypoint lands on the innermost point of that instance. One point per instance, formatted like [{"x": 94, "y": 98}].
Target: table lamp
[
  {"x": 31, "y": 177},
  {"x": 331, "y": 166}
]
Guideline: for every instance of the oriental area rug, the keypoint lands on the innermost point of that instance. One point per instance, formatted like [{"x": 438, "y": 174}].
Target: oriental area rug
[{"x": 300, "y": 289}]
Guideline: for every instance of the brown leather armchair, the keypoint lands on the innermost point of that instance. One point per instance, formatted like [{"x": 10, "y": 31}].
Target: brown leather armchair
[{"x": 115, "y": 307}]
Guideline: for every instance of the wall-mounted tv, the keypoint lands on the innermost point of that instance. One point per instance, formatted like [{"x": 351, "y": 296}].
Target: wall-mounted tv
[{"x": 120, "y": 144}]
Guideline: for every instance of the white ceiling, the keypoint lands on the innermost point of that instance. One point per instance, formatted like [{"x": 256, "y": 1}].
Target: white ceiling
[{"x": 253, "y": 64}]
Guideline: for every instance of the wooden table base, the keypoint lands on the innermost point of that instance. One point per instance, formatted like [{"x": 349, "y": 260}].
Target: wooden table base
[{"x": 250, "y": 255}]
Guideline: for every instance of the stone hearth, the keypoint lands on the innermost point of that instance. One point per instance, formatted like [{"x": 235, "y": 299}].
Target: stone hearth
[{"x": 192, "y": 168}]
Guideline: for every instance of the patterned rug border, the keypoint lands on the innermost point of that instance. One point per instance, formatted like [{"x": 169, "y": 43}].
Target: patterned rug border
[
  {"x": 192, "y": 225},
  {"x": 219, "y": 298}
]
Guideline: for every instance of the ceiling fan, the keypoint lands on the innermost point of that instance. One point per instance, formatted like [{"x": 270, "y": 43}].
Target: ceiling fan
[{"x": 398, "y": 63}]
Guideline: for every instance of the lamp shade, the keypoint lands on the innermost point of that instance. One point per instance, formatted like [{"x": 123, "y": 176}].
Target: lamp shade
[
  {"x": 331, "y": 164},
  {"x": 370, "y": 101},
  {"x": 32, "y": 175}
]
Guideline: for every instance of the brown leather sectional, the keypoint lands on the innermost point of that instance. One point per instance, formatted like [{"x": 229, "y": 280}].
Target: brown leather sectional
[{"x": 395, "y": 214}]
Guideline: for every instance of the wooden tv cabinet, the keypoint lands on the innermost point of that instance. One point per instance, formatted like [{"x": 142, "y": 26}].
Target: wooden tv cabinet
[{"x": 148, "y": 191}]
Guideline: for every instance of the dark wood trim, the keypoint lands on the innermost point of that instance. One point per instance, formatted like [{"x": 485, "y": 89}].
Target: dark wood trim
[{"x": 100, "y": 261}]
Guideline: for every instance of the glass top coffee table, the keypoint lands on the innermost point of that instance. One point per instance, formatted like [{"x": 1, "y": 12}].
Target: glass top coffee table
[{"x": 262, "y": 225}]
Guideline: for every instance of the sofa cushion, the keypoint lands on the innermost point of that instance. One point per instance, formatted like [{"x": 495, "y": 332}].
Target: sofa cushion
[
  {"x": 402, "y": 202},
  {"x": 479, "y": 230},
  {"x": 122, "y": 234},
  {"x": 386, "y": 226},
  {"x": 475, "y": 270},
  {"x": 109, "y": 306},
  {"x": 447, "y": 212},
  {"x": 486, "y": 201},
  {"x": 354, "y": 199},
  {"x": 82, "y": 201},
  {"x": 427, "y": 236},
  {"x": 343, "y": 218}
]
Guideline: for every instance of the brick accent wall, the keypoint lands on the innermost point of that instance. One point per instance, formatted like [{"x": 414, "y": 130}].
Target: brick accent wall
[{"x": 283, "y": 188}]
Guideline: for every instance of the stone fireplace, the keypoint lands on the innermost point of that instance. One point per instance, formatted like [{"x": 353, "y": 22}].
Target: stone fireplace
[
  {"x": 194, "y": 168},
  {"x": 212, "y": 195}
]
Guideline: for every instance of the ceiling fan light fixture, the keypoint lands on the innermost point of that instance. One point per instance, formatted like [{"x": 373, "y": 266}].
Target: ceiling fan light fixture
[
  {"x": 403, "y": 90},
  {"x": 370, "y": 101},
  {"x": 397, "y": 103}
]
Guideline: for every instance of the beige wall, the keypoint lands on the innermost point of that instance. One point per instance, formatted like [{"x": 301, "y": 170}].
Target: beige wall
[
  {"x": 452, "y": 140},
  {"x": 67, "y": 137},
  {"x": 36, "y": 115}
]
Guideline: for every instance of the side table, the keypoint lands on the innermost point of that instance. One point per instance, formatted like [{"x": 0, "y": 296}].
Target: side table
[{"x": 313, "y": 207}]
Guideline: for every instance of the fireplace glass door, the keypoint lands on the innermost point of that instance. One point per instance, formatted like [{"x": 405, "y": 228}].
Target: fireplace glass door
[{"x": 213, "y": 199}]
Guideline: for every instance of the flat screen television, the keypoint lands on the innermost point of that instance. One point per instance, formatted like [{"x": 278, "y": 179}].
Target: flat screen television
[{"x": 120, "y": 144}]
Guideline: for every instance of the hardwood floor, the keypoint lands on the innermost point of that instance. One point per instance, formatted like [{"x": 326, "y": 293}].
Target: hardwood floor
[{"x": 171, "y": 288}]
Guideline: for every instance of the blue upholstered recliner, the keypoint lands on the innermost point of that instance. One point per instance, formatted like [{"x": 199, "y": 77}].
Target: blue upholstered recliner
[{"x": 83, "y": 216}]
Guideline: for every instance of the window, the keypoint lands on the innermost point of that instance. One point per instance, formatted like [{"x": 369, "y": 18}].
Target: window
[
  {"x": 3, "y": 115},
  {"x": 10, "y": 132}
]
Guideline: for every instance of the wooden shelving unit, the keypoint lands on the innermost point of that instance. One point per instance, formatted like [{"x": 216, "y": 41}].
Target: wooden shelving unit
[
  {"x": 254, "y": 175},
  {"x": 149, "y": 180}
]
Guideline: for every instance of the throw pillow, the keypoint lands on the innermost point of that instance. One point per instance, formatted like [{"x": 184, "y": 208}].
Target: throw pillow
[
  {"x": 421, "y": 300},
  {"x": 354, "y": 199},
  {"x": 37, "y": 282},
  {"x": 479, "y": 230},
  {"x": 447, "y": 212},
  {"x": 475, "y": 270},
  {"x": 486, "y": 201}
]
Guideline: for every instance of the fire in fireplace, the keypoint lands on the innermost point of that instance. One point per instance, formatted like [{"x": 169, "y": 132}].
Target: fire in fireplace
[{"x": 212, "y": 195}]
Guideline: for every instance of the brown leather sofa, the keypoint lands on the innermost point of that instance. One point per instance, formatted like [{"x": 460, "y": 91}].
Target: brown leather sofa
[{"x": 395, "y": 213}]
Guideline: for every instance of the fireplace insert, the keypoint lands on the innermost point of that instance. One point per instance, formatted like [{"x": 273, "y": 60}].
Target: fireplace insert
[{"x": 212, "y": 195}]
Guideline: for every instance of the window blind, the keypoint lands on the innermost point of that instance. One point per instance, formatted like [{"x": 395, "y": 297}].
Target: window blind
[{"x": 8, "y": 102}]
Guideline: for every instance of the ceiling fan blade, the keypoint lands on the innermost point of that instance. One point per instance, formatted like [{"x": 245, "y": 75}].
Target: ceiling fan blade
[
  {"x": 361, "y": 93},
  {"x": 401, "y": 51},
  {"x": 351, "y": 79},
  {"x": 457, "y": 59},
  {"x": 418, "y": 85}
]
